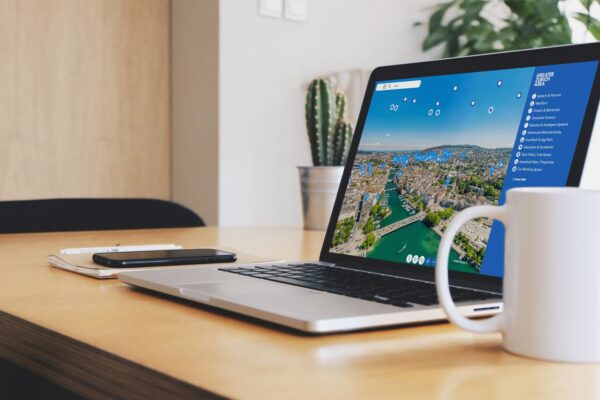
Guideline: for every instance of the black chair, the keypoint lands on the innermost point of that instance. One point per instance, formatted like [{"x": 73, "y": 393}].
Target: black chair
[{"x": 61, "y": 215}]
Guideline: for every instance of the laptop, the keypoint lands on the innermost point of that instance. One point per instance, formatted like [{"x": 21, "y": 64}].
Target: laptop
[{"x": 432, "y": 139}]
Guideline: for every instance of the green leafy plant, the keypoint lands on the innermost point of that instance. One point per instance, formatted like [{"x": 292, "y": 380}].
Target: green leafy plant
[
  {"x": 329, "y": 131},
  {"x": 463, "y": 27}
]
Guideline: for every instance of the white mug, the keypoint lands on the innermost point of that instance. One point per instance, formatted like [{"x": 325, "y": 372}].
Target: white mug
[{"x": 551, "y": 287}]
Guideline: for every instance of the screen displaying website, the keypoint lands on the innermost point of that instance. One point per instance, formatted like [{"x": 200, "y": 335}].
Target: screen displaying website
[{"x": 433, "y": 146}]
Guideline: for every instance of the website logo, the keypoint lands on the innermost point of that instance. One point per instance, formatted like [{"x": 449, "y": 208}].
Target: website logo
[{"x": 542, "y": 77}]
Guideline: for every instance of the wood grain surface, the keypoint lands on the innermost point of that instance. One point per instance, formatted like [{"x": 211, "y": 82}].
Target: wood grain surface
[
  {"x": 59, "y": 324},
  {"x": 84, "y": 110}
]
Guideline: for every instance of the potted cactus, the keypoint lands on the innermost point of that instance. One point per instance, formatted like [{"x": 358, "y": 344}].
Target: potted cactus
[{"x": 330, "y": 135}]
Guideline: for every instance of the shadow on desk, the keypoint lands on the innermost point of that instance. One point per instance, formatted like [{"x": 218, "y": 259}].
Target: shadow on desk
[{"x": 18, "y": 383}]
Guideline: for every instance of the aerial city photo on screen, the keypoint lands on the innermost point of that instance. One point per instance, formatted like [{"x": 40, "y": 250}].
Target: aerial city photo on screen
[{"x": 429, "y": 149}]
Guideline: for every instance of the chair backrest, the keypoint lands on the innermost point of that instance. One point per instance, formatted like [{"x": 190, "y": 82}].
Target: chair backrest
[{"x": 61, "y": 215}]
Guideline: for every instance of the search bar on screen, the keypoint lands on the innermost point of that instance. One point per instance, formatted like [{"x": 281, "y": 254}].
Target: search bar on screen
[{"x": 399, "y": 85}]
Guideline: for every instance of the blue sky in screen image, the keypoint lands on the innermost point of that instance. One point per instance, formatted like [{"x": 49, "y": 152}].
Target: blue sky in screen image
[{"x": 491, "y": 121}]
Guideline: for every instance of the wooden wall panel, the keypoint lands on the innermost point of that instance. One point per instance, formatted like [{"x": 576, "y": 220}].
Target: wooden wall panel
[{"x": 84, "y": 98}]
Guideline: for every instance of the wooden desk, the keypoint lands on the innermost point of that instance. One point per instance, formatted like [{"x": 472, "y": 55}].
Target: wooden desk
[{"x": 102, "y": 339}]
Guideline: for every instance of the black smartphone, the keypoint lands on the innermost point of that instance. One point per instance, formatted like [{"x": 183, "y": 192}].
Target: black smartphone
[{"x": 155, "y": 258}]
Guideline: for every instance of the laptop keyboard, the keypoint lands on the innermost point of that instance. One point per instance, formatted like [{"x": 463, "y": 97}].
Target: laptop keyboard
[{"x": 399, "y": 292}]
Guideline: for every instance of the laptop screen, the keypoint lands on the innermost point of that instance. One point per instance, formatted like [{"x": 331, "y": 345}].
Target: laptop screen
[{"x": 433, "y": 146}]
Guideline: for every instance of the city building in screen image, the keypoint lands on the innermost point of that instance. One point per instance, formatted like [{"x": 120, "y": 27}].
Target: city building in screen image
[{"x": 431, "y": 147}]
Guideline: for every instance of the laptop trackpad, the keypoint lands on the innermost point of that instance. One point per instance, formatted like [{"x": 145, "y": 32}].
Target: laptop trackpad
[
  {"x": 280, "y": 299},
  {"x": 243, "y": 289}
]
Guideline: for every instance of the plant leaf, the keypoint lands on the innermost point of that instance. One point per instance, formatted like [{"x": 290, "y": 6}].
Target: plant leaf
[
  {"x": 585, "y": 18},
  {"x": 435, "y": 38},
  {"x": 452, "y": 46},
  {"x": 531, "y": 23},
  {"x": 472, "y": 8},
  {"x": 594, "y": 28},
  {"x": 435, "y": 21}
]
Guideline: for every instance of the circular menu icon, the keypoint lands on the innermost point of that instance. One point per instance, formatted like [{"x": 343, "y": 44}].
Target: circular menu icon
[{"x": 421, "y": 260}]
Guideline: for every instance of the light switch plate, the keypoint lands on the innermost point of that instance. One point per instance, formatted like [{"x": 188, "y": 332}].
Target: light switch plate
[
  {"x": 295, "y": 10},
  {"x": 271, "y": 8}
]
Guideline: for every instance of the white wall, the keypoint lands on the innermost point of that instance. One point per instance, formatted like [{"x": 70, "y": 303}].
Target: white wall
[{"x": 263, "y": 65}]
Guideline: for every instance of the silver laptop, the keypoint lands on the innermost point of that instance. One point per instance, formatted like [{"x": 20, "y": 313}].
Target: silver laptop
[{"x": 432, "y": 139}]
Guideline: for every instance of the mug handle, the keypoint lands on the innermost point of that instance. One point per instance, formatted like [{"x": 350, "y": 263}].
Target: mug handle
[{"x": 493, "y": 324}]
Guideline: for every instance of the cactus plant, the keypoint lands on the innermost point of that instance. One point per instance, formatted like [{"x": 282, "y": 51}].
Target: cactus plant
[
  {"x": 342, "y": 139},
  {"x": 340, "y": 104},
  {"x": 320, "y": 120},
  {"x": 329, "y": 132}
]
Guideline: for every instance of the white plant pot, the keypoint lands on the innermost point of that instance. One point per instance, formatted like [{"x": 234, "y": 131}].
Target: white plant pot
[{"x": 319, "y": 186}]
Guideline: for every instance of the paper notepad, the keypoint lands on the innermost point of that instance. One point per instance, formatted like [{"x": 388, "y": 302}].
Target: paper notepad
[{"x": 83, "y": 264}]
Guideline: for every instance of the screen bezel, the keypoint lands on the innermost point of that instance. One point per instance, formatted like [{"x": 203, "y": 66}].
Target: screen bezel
[{"x": 497, "y": 61}]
